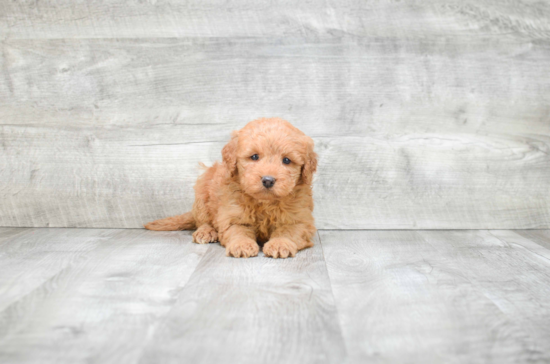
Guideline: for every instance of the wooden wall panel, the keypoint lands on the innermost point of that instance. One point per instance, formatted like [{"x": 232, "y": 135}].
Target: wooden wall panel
[
  {"x": 111, "y": 178},
  {"x": 58, "y": 19},
  {"x": 424, "y": 116}
]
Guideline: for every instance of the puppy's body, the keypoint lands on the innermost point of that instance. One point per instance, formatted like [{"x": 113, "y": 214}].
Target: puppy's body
[{"x": 255, "y": 195}]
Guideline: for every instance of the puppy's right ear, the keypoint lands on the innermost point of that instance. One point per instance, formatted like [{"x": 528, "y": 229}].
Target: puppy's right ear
[{"x": 229, "y": 153}]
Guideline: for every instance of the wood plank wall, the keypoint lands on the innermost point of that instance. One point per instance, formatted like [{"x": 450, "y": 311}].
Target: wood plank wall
[{"x": 425, "y": 114}]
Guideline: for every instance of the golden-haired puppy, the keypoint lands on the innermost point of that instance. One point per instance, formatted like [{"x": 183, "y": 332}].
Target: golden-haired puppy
[{"x": 260, "y": 193}]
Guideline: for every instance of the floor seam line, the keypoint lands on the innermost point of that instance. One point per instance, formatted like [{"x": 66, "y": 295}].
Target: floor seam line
[{"x": 337, "y": 311}]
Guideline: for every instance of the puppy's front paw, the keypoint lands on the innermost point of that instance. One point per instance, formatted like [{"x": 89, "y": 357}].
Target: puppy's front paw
[
  {"x": 280, "y": 248},
  {"x": 205, "y": 234},
  {"x": 242, "y": 248}
]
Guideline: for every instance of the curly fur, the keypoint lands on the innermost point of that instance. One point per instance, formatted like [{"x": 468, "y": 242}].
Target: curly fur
[{"x": 233, "y": 207}]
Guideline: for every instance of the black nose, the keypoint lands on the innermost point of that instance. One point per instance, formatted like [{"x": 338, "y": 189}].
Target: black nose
[{"x": 268, "y": 181}]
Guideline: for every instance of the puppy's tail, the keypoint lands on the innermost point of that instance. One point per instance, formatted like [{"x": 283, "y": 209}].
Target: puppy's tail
[{"x": 180, "y": 222}]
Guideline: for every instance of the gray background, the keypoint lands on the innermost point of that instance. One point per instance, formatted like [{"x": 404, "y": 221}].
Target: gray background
[{"x": 425, "y": 114}]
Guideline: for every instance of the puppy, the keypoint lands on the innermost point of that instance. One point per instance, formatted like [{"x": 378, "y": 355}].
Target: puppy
[{"x": 260, "y": 193}]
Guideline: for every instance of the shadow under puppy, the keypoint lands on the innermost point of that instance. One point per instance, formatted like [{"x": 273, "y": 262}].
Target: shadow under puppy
[{"x": 260, "y": 193}]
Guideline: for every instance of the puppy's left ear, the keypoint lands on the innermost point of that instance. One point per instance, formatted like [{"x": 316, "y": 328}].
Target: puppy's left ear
[
  {"x": 310, "y": 166},
  {"x": 229, "y": 153}
]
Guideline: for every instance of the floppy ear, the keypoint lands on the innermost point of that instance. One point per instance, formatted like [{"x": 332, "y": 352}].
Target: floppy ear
[
  {"x": 229, "y": 153},
  {"x": 310, "y": 166}
]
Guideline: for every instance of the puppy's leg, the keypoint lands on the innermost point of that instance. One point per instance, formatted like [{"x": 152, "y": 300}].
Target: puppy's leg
[
  {"x": 287, "y": 240},
  {"x": 240, "y": 242},
  {"x": 205, "y": 234}
]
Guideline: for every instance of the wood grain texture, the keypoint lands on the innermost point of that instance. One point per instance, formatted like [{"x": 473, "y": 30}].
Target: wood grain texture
[
  {"x": 440, "y": 296},
  {"x": 75, "y": 296},
  {"x": 250, "y": 18},
  {"x": 541, "y": 237},
  {"x": 256, "y": 310},
  {"x": 6, "y": 234},
  {"x": 425, "y": 115},
  {"x": 133, "y": 296},
  {"x": 34, "y": 256}
]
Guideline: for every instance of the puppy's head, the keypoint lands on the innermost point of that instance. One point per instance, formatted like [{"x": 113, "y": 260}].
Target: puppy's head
[{"x": 269, "y": 158}]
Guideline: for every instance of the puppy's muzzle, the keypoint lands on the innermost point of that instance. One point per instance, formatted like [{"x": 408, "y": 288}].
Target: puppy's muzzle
[{"x": 268, "y": 181}]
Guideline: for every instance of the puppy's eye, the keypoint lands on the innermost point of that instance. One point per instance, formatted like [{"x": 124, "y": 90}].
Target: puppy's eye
[
  {"x": 255, "y": 157},
  {"x": 286, "y": 160}
]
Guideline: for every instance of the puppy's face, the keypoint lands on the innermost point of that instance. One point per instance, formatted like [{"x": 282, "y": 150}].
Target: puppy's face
[{"x": 270, "y": 157}]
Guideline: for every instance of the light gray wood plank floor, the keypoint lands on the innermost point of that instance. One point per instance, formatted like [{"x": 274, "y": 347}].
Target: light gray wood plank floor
[{"x": 407, "y": 296}]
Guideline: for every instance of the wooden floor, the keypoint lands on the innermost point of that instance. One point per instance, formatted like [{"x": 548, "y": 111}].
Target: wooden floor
[{"x": 136, "y": 296}]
